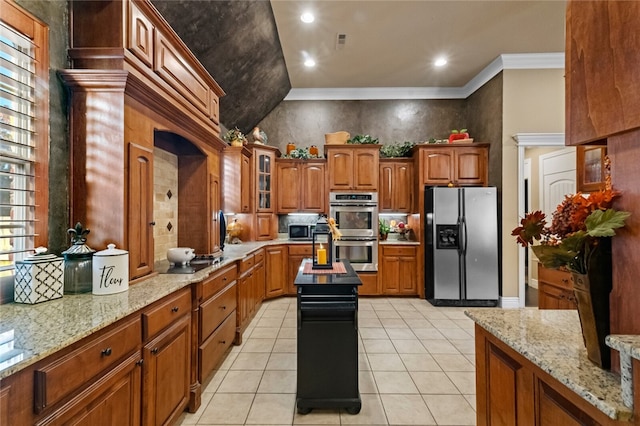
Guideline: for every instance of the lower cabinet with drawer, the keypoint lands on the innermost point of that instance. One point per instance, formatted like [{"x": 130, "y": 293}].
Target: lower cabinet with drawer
[
  {"x": 216, "y": 324},
  {"x": 167, "y": 358},
  {"x": 251, "y": 289},
  {"x": 136, "y": 371},
  {"x": 297, "y": 252},
  {"x": 398, "y": 270},
  {"x": 555, "y": 290}
]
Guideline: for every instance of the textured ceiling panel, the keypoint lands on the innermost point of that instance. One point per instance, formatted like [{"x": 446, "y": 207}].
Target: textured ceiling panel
[{"x": 237, "y": 42}]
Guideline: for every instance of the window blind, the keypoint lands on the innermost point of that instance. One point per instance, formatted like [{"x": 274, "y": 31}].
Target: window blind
[{"x": 17, "y": 147}]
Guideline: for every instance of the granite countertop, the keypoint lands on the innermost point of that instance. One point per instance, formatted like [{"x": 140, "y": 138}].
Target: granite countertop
[
  {"x": 552, "y": 340},
  {"x": 40, "y": 330}
]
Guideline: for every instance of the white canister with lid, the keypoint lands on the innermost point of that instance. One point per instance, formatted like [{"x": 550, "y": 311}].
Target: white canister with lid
[{"x": 110, "y": 271}]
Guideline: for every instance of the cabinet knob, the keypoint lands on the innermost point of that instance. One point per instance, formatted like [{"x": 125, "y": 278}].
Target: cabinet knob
[
  {"x": 224, "y": 278},
  {"x": 565, "y": 281},
  {"x": 106, "y": 352},
  {"x": 155, "y": 351},
  {"x": 223, "y": 307},
  {"x": 140, "y": 362},
  {"x": 175, "y": 309},
  {"x": 223, "y": 342},
  {"x": 152, "y": 223}
]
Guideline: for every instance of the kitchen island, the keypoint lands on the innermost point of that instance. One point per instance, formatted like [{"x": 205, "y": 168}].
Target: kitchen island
[
  {"x": 532, "y": 368},
  {"x": 327, "y": 337}
]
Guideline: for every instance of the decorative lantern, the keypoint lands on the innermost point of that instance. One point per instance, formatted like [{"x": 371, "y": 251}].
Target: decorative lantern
[{"x": 322, "y": 245}]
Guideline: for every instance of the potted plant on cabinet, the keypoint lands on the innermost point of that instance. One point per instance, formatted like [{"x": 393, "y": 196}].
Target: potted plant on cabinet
[{"x": 383, "y": 229}]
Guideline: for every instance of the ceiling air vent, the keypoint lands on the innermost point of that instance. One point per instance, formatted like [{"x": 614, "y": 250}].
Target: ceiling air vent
[{"x": 341, "y": 40}]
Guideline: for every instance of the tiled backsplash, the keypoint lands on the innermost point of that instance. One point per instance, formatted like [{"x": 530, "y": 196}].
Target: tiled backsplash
[{"x": 165, "y": 202}]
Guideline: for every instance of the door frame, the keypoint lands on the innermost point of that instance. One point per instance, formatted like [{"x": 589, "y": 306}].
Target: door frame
[{"x": 523, "y": 141}]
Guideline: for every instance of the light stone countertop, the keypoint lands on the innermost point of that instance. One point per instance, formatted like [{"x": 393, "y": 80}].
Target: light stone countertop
[
  {"x": 42, "y": 329},
  {"x": 552, "y": 340}
]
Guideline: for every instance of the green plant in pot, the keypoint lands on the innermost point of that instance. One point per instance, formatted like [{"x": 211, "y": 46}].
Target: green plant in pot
[
  {"x": 395, "y": 150},
  {"x": 362, "y": 139},
  {"x": 383, "y": 228},
  {"x": 235, "y": 137}
]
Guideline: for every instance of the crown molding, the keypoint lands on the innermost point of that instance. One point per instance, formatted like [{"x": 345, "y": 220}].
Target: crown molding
[
  {"x": 502, "y": 62},
  {"x": 539, "y": 139}
]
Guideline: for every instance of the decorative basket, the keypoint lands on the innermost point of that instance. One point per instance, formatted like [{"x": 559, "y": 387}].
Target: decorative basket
[
  {"x": 38, "y": 278},
  {"x": 336, "y": 138}
]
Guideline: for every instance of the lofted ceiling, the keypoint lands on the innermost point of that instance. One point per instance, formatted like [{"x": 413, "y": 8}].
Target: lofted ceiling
[{"x": 255, "y": 48}]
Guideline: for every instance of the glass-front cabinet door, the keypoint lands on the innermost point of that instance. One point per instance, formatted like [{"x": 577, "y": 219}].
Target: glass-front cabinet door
[
  {"x": 264, "y": 167},
  {"x": 591, "y": 171}
]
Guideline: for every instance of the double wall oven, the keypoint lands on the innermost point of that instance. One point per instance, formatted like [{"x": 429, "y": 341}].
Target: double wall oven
[{"x": 356, "y": 214}]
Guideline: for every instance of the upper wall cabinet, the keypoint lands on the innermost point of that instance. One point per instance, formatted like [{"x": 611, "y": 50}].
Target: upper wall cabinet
[
  {"x": 140, "y": 41},
  {"x": 453, "y": 164},
  {"x": 236, "y": 179},
  {"x": 396, "y": 185},
  {"x": 590, "y": 168},
  {"x": 601, "y": 82},
  {"x": 301, "y": 186},
  {"x": 352, "y": 167}
]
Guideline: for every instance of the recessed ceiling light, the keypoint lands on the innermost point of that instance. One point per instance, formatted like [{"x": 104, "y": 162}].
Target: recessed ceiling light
[
  {"x": 309, "y": 62},
  {"x": 440, "y": 62},
  {"x": 307, "y": 17}
]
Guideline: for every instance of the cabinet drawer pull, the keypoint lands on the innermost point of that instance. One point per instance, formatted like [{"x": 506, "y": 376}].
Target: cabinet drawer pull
[
  {"x": 223, "y": 307},
  {"x": 155, "y": 351},
  {"x": 106, "y": 352},
  {"x": 152, "y": 223},
  {"x": 565, "y": 281},
  {"x": 175, "y": 309},
  {"x": 223, "y": 342}
]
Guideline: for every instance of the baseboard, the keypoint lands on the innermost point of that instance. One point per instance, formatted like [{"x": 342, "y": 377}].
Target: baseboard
[{"x": 509, "y": 302}]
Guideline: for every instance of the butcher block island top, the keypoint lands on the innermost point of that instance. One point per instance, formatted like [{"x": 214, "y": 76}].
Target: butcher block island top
[{"x": 552, "y": 341}]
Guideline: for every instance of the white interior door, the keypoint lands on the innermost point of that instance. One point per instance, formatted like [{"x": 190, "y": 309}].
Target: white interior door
[{"x": 557, "y": 179}]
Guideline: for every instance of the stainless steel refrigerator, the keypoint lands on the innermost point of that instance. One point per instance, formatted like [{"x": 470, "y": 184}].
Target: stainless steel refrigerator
[{"x": 461, "y": 255}]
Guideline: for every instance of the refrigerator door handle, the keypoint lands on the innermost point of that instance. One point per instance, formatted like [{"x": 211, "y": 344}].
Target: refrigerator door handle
[{"x": 463, "y": 235}]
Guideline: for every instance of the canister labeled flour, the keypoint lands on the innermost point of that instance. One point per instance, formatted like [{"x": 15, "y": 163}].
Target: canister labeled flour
[{"x": 110, "y": 271}]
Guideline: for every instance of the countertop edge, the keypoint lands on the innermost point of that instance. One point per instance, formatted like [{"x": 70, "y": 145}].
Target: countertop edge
[{"x": 615, "y": 410}]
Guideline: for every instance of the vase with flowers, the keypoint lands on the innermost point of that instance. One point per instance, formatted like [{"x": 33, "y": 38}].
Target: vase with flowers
[{"x": 579, "y": 240}]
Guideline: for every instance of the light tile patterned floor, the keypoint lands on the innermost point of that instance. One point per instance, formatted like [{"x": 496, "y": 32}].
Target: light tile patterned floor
[{"x": 416, "y": 367}]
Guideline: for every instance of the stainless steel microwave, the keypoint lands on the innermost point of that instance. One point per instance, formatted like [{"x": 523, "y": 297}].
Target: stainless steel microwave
[{"x": 301, "y": 231}]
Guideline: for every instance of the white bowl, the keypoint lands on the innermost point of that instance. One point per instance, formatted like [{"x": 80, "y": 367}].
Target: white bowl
[{"x": 180, "y": 255}]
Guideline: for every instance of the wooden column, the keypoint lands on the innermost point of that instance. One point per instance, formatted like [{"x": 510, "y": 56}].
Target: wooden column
[{"x": 97, "y": 176}]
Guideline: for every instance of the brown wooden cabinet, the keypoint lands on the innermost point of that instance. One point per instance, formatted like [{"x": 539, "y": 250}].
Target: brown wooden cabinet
[
  {"x": 395, "y": 188},
  {"x": 297, "y": 252},
  {"x": 216, "y": 319},
  {"x": 167, "y": 358},
  {"x": 352, "y": 167},
  {"x": 113, "y": 399},
  {"x": 590, "y": 167},
  {"x": 555, "y": 289},
  {"x": 265, "y": 222},
  {"x": 600, "y": 70},
  {"x": 301, "y": 186},
  {"x": 166, "y": 373},
  {"x": 398, "y": 272},
  {"x": 511, "y": 390},
  {"x": 140, "y": 217},
  {"x": 157, "y": 86},
  {"x": 369, "y": 285},
  {"x": 276, "y": 267},
  {"x": 251, "y": 289},
  {"x": 236, "y": 179},
  {"x": 457, "y": 165}
]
